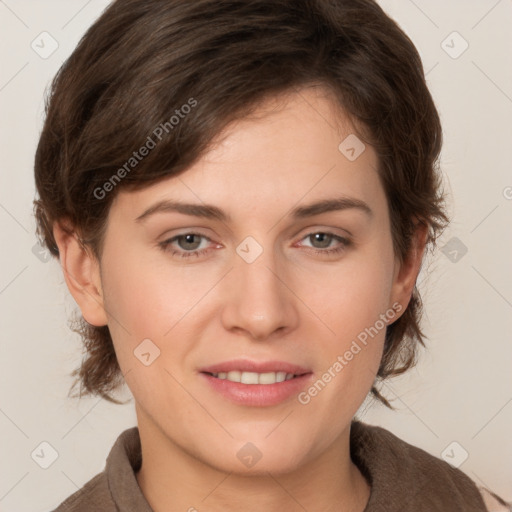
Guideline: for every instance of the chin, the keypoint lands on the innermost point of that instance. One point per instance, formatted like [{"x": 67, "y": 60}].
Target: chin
[
  {"x": 255, "y": 457},
  {"x": 279, "y": 465}
]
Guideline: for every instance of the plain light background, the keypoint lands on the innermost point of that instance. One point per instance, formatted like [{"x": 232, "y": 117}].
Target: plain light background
[{"x": 461, "y": 390}]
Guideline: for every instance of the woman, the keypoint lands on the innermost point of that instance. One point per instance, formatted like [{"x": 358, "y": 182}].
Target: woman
[{"x": 240, "y": 195}]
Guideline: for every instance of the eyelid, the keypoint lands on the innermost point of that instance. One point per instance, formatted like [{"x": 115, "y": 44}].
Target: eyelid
[
  {"x": 172, "y": 234},
  {"x": 310, "y": 230},
  {"x": 306, "y": 232},
  {"x": 343, "y": 244}
]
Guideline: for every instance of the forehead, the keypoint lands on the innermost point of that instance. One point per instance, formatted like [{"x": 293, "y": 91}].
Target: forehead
[{"x": 292, "y": 149}]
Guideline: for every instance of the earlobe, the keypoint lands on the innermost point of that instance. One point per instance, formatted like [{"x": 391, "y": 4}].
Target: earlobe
[
  {"x": 82, "y": 274},
  {"x": 405, "y": 274}
]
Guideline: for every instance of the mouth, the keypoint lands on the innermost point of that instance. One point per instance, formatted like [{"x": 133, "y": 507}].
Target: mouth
[
  {"x": 257, "y": 384},
  {"x": 254, "y": 377}
]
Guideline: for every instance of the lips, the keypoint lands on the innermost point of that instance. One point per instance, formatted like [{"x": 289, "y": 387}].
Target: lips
[
  {"x": 257, "y": 384},
  {"x": 245, "y": 365}
]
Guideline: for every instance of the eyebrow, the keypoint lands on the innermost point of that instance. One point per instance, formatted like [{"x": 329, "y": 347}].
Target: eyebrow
[{"x": 213, "y": 212}]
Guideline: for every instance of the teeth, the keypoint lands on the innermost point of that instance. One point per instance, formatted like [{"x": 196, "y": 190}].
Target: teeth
[
  {"x": 253, "y": 377},
  {"x": 271, "y": 377}
]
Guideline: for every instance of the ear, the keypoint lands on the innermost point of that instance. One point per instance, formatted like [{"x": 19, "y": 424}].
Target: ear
[
  {"x": 81, "y": 272},
  {"x": 405, "y": 274}
]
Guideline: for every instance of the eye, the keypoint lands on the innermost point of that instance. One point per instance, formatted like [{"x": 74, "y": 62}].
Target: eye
[
  {"x": 188, "y": 244},
  {"x": 324, "y": 240}
]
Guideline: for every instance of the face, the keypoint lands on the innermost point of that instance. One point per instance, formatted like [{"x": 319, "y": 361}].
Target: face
[{"x": 263, "y": 285}]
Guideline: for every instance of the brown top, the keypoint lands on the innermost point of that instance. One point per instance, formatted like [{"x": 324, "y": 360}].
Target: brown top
[{"x": 402, "y": 477}]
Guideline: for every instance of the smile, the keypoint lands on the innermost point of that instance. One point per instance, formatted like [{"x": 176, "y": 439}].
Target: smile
[{"x": 254, "y": 377}]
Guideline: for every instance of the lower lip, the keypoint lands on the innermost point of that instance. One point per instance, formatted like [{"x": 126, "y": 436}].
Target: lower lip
[{"x": 258, "y": 395}]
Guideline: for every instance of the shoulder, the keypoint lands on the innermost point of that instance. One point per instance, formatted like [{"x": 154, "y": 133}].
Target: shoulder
[
  {"x": 115, "y": 488},
  {"x": 94, "y": 495},
  {"x": 409, "y": 475}
]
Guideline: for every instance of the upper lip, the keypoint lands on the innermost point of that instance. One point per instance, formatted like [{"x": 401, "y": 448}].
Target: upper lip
[{"x": 246, "y": 365}]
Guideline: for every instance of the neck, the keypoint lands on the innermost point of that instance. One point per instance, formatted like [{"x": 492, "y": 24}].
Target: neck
[{"x": 173, "y": 479}]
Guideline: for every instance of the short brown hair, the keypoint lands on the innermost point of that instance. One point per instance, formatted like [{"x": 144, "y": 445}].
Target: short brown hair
[{"x": 142, "y": 61}]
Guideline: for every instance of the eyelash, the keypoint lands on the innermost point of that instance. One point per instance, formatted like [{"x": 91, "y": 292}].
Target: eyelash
[{"x": 345, "y": 242}]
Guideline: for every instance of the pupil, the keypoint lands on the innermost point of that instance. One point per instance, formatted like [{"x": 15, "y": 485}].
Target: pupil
[
  {"x": 189, "y": 240},
  {"x": 323, "y": 238}
]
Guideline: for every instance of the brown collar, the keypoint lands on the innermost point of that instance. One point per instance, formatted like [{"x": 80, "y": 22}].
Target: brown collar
[{"x": 403, "y": 477}]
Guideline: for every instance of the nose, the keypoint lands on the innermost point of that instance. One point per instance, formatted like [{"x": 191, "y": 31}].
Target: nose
[{"x": 259, "y": 301}]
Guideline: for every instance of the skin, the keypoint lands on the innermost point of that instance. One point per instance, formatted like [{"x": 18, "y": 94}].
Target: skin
[{"x": 290, "y": 304}]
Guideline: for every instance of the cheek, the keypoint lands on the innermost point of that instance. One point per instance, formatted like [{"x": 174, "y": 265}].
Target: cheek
[
  {"x": 352, "y": 295},
  {"x": 146, "y": 296},
  {"x": 352, "y": 301},
  {"x": 138, "y": 305},
  {"x": 151, "y": 299}
]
